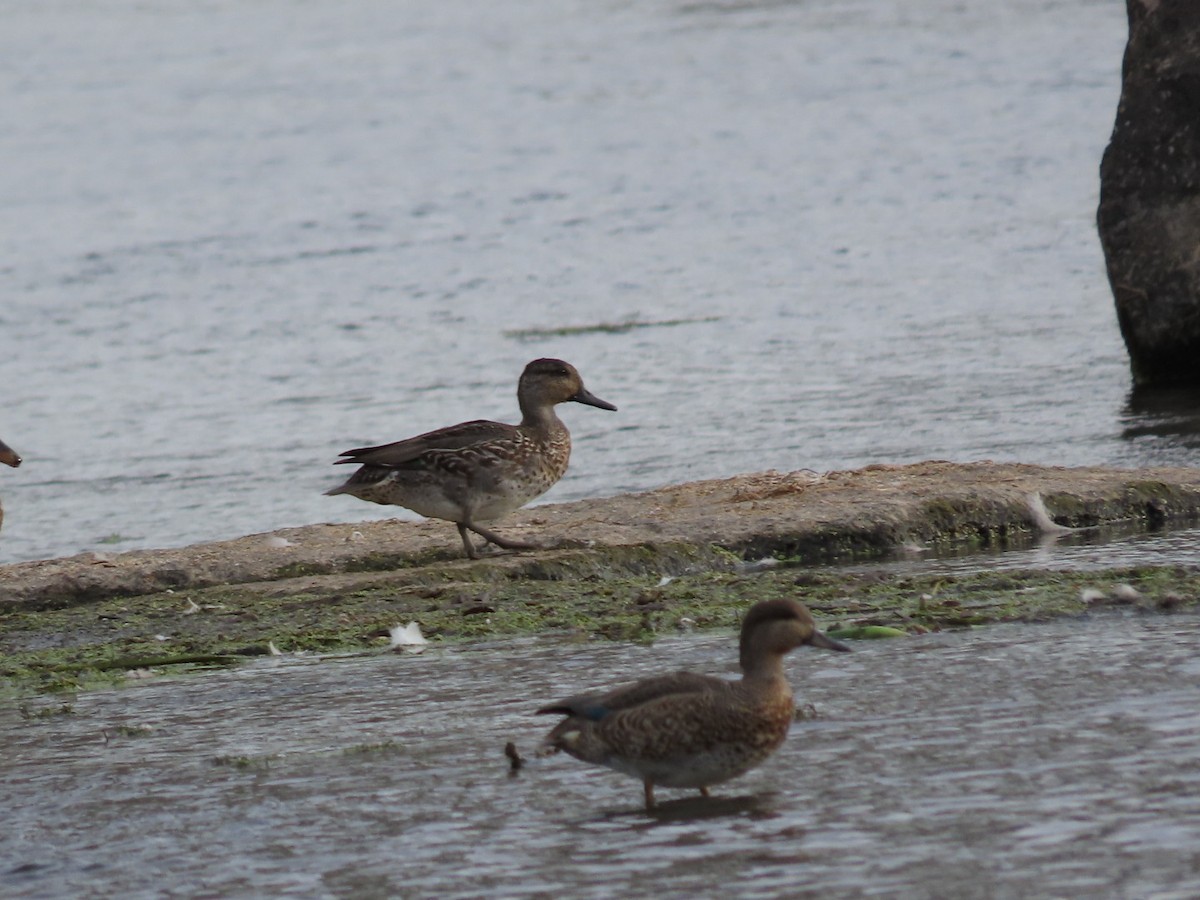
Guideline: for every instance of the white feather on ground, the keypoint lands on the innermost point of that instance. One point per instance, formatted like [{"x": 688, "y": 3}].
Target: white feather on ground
[{"x": 408, "y": 637}]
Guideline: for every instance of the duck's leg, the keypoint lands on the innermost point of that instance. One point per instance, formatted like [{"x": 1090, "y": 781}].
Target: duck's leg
[
  {"x": 468, "y": 545},
  {"x": 704, "y": 792},
  {"x": 648, "y": 787},
  {"x": 494, "y": 538}
]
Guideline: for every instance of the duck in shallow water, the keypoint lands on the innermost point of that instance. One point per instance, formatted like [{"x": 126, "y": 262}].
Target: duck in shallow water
[
  {"x": 686, "y": 730},
  {"x": 9, "y": 458},
  {"x": 478, "y": 471}
]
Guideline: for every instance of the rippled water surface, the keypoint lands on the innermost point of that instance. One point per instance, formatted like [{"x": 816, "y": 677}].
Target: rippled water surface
[
  {"x": 1084, "y": 549},
  {"x": 1056, "y": 760},
  {"x": 238, "y": 238}
]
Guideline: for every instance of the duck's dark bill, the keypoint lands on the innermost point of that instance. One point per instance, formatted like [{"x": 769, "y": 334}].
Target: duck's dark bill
[
  {"x": 9, "y": 458},
  {"x": 586, "y": 396},
  {"x": 827, "y": 643}
]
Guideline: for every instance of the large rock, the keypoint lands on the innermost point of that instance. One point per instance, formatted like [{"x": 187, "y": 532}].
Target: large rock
[{"x": 1149, "y": 215}]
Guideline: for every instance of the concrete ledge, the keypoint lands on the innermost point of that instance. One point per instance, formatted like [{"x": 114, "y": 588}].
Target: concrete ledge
[{"x": 799, "y": 515}]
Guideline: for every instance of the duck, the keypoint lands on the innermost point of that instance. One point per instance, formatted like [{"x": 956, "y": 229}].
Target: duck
[
  {"x": 479, "y": 471},
  {"x": 689, "y": 730},
  {"x": 9, "y": 457}
]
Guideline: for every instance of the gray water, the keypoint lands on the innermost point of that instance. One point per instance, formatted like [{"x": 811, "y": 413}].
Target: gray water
[
  {"x": 1056, "y": 760},
  {"x": 238, "y": 238}
]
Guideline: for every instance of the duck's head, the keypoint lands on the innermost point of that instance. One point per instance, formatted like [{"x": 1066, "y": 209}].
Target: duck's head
[
  {"x": 7, "y": 456},
  {"x": 773, "y": 627},
  {"x": 546, "y": 382}
]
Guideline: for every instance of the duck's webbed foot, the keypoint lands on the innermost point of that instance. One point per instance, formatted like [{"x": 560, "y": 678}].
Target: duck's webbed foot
[{"x": 492, "y": 538}]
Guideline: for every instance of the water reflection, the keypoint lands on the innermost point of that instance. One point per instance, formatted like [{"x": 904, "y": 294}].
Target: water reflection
[
  {"x": 1163, "y": 412},
  {"x": 698, "y": 809},
  {"x": 1106, "y": 547}
]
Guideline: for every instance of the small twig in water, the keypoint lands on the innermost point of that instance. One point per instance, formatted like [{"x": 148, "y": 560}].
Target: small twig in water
[{"x": 515, "y": 759}]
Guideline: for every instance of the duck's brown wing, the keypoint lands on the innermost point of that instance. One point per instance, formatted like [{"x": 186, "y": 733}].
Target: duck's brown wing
[
  {"x": 672, "y": 728},
  {"x": 597, "y": 705},
  {"x": 402, "y": 453}
]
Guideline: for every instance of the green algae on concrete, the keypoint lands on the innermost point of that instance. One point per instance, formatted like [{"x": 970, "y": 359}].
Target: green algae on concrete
[
  {"x": 97, "y": 644},
  {"x": 865, "y": 632}
]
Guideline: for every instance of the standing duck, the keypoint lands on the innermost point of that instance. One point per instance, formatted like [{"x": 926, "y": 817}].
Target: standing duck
[
  {"x": 686, "y": 730},
  {"x": 478, "y": 471},
  {"x": 9, "y": 458}
]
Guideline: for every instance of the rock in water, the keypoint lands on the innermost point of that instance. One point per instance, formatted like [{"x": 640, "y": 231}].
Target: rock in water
[{"x": 1149, "y": 215}]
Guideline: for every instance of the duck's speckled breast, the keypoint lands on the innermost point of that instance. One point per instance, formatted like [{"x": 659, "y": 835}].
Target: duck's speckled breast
[{"x": 506, "y": 478}]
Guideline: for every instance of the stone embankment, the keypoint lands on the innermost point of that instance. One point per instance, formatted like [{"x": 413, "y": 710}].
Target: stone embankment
[{"x": 627, "y": 567}]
